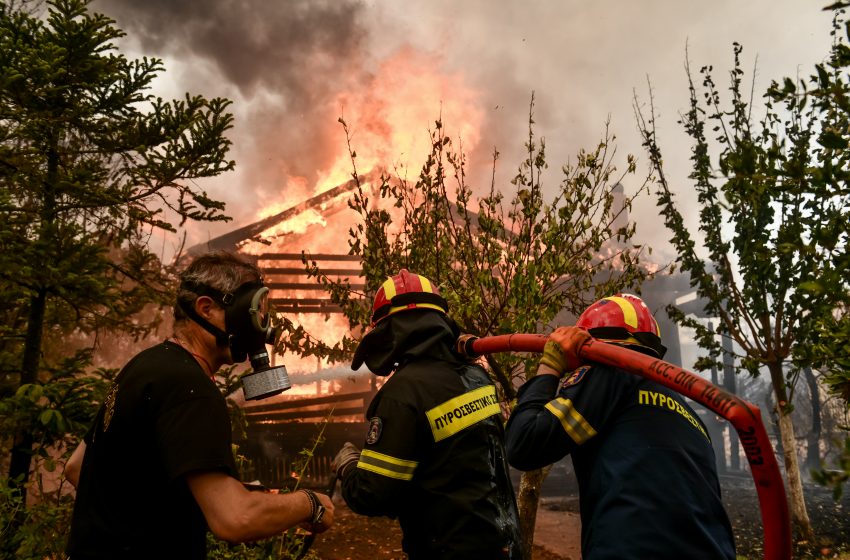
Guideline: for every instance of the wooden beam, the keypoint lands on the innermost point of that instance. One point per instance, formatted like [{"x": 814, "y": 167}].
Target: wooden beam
[
  {"x": 324, "y": 309},
  {"x": 299, "y": 301},
  {"x": 301, "y": 271},
  {"x": 304, "y": 286},
  {"x": 276, "y": 417},
  {"x": 309, "y": 401},
  {"x": 313, "y": 257}
]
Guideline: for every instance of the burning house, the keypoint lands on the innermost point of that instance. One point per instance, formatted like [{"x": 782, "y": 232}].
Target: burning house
[{"x": 332, "y": 398}]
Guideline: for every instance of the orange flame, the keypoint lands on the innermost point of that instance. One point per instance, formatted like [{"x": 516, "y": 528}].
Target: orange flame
[{"x": 389, "y": 120}]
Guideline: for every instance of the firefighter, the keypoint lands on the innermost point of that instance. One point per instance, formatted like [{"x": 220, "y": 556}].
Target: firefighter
[
  {"x": 434, "y": 452},
  {"x": 645, "y": 466}
]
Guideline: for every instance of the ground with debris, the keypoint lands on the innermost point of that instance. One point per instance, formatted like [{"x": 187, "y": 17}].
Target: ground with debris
[
  {"x": 355, "y": 537},
  {"x": 558, "y": 527}
]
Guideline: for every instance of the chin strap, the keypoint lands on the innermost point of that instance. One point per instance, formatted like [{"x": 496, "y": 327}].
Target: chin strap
[{"x": 221, "y": 337}]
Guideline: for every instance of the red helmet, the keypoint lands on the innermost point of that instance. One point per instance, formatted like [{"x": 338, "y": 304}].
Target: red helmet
[
  {"x": 406, "y": 291},
  {"x": 623, "y": 319}
]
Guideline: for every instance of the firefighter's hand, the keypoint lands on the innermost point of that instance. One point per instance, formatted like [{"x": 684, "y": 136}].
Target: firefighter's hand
[
  {"x": 463, "y": 346},
  {"x": 348, "y": 455},
  {"x": 561, "y": 352}
]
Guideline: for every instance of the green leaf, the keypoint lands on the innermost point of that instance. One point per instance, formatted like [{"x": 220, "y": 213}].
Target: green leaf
[
  {"x": 31, "y": 391},
  {"x": 812, "y": 286},
  {"x": 832, "y": 139},
  {"x": 47, "y": 417}
]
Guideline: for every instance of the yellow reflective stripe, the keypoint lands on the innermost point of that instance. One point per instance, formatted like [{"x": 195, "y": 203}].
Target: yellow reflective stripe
[
  {"x": 627, "y": 340},
  {"x": 629, "y": 314},
  {"x": 389, "y": 288},
  {"x": 415, "y": 306},
  {"x": 463, "y": 411},
  {"x": 386, "y": 465},
  {"x": 573, "y": 422},
  {"x": 426, "y": 284}
]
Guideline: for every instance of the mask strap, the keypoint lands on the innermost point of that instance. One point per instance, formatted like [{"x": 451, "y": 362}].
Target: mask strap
[
  {"x": 222, "y": 298},
  {"x": 221, "y": 337}
]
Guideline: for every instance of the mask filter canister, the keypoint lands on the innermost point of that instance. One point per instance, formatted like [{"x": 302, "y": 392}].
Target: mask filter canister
[{"x": 264, "y": 381}]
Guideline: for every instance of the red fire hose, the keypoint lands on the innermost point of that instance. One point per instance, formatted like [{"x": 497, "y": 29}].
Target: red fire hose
[{"x": 745, "y": 417}]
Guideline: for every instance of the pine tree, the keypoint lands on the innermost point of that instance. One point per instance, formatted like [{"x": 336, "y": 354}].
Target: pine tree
[{"x": 91, "y": 164}]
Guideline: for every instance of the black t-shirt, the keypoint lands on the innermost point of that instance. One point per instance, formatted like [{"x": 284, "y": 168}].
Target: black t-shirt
[
  {"x": 643, "y": 461},
  {"x": 163, "y": 418}
]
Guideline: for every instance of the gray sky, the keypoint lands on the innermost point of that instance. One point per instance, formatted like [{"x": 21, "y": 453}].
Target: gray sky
[{"x": 294, "y": 67}]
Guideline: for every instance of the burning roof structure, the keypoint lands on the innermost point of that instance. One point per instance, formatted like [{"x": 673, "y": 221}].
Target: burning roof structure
[{"x": 317, "y": 227}]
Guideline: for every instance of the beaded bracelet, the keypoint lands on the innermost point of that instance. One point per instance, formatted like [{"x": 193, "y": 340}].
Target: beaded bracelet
[{"x": 317, "y": 510}]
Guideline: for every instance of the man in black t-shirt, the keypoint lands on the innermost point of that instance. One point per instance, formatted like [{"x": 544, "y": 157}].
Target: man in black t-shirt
[
  {"x": 645, "y": 467},
  {"x": 156, "y": 468}
]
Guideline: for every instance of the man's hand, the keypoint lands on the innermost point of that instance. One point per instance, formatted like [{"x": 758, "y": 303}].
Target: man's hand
[
  {"x": 75, "y": 464},
  {"x": 321, "y": 512},
  {"x": 348, "y": 455},
  {"x": 561, "y": 352}
]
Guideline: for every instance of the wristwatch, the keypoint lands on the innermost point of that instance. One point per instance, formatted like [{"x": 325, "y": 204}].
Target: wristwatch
[{"x": 317, "y": 510}]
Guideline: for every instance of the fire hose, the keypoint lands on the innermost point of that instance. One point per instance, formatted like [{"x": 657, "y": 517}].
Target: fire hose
[{"x": 744, "y": 417}]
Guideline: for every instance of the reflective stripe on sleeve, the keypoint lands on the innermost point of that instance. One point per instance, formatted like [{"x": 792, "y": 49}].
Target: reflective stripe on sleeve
[
  {"x": 386, "y": 465},
  {"x": 463, "y": 411},
  {"x": 574, "y": 423}
]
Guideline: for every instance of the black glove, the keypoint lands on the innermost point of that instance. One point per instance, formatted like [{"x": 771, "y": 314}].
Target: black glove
[{"x": 348, "y": 455}]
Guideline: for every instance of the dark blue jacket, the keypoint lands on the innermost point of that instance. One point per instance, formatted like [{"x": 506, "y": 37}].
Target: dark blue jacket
[{"x": 643, "y": 459}]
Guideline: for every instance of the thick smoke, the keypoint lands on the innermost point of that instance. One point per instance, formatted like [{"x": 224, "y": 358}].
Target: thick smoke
[
  {"x": 292, "y": 48},
  {"x": 283, "y": 63}
]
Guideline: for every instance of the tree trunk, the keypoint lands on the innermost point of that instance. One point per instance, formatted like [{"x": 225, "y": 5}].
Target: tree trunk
[
  {"x": 730, "y": 384},
  {"x": 21, "y": 456},
  {"x": 528, "y": 499},
  {"x": 716, "y": 429},
  {"x": 772, "y": 420},
  {"x": 795, "y": 483},
  {"x": 796, "y": 497},
  {"x": 813, "y": 447}
]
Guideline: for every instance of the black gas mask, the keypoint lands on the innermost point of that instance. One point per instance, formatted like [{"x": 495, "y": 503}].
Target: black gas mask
[{"x": 247, "y": 323}]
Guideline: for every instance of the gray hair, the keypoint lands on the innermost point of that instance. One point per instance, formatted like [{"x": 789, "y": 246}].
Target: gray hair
[{"x": 218, "y": 269}]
